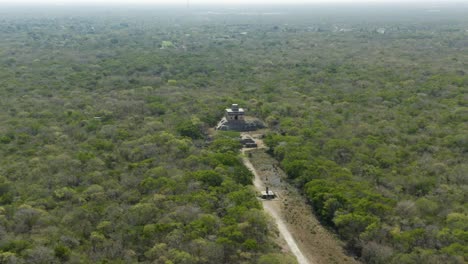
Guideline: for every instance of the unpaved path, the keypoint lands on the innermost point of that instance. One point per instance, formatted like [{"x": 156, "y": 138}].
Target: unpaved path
[
  {"x": 305, "y": 237},
  {"x": 273, "y": 211}
]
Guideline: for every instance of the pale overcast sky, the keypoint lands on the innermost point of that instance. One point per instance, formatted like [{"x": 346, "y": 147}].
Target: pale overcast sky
[{"x": 195, "y": 2}]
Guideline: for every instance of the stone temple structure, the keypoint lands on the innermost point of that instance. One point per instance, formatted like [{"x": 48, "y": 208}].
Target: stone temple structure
[
  {"x": 235, "y": 119},
  {"x": 234, "y": 113}
]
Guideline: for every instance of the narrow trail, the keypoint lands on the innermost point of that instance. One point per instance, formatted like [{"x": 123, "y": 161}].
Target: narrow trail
[{"x": 273, "y": 211}]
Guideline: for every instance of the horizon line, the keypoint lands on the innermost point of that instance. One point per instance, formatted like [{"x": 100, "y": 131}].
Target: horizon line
[{"x": 242, "y": 3}]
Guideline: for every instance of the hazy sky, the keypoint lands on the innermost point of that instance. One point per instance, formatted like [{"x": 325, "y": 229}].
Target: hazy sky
[{"x": 195, "y": 2}]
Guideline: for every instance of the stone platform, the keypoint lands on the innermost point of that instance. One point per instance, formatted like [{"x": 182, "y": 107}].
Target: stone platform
[{"x": 247, "y": 124}]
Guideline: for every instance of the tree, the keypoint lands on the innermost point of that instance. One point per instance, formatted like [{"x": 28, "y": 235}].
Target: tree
[{"x": 189, "y": 129}]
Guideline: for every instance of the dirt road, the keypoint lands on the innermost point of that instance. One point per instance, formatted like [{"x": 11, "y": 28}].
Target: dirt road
[
  {"x": 305, "y": 237},
  {"x": 273, "y": 211}
]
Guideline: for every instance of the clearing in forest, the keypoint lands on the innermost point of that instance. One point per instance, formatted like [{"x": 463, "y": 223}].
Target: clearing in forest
[{"x": 305, "y": 237}]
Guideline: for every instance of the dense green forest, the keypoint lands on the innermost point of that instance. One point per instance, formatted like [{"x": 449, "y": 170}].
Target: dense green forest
[{"x": 104, "y": 117}]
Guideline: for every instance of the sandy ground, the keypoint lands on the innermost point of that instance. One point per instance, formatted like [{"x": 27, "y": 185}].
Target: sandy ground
[{"x": 304, "y": 236}]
